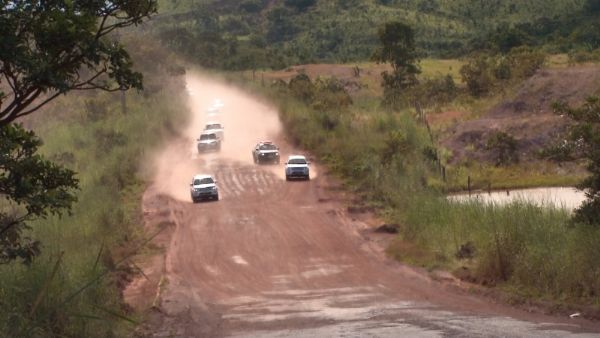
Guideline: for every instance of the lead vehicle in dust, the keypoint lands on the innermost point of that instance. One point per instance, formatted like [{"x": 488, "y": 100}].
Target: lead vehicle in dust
[
  {"x": 265, "y": 152},
  {"x": 297, "y": 167},
  {"x": 215, "y": 127},
  {"x": 208, "y": 141},
  {"x": 204, "y": 187}
]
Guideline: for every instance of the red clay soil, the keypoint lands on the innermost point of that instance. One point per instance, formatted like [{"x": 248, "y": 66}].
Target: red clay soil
[{"x": 528, "y": 116}]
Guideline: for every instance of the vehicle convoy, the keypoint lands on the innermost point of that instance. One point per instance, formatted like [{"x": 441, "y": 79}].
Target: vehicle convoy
[
  {"x": 204, "y": 187},
  {"x": 265, "y": 152},
  {"x": 297, "y": 167},
  {"x": 213, "y": 111},
  {"x": 216, "y": 128},
  {"x": 209, "y": 141}
]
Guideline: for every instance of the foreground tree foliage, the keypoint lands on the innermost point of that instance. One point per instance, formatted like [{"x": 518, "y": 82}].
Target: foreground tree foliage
[
  {"x": 584, "y": 137},
  {"x": 48, "y": 48},
  {"x": 398, "y": 49},
  {"x": 33, "y": 188},
  {"x": 51, "y": 47}
]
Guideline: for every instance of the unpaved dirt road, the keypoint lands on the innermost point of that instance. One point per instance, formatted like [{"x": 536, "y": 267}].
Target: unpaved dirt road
[{"x": 286, "y": 259}]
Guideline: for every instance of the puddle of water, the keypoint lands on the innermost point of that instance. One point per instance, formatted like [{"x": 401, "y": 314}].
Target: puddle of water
[{"x": 568, "y": 198}]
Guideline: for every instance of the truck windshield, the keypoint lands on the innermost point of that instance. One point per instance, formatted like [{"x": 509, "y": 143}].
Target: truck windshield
[
  {"x": 297, "y": 161},
  {"x": 206, "y": 180},
  {"x": 208, "y": 137},
  {"x": 268, "y": 147}
]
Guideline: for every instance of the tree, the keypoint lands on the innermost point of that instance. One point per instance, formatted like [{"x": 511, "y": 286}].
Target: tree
[
  {"x": 398, "y": 49},
  {"x": 584, "y": 137},
  {"x": 281, "y": 25},
  {"x": 48, "y": 48}
]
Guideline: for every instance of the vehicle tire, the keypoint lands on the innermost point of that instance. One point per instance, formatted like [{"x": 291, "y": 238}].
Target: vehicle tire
[
  {"x": 307, "y": 178},
  {"x": 216, "y": 198},
  {"x": 287, "y": 178}
]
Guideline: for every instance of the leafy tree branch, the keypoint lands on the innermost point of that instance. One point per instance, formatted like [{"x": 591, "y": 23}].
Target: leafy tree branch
[{"x": 51, "y": 47}]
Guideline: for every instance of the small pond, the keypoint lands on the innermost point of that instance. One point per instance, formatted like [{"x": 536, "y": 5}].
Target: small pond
[{"x": 567, "y": 197}]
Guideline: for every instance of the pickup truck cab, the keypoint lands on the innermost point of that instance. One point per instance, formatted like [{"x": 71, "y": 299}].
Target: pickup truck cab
[
  {"x": 204, "y": 187},
  {"x": 297, "y": 167},
  {"x": 208, "y": 141},
  {"x": 216, "y": 128}
]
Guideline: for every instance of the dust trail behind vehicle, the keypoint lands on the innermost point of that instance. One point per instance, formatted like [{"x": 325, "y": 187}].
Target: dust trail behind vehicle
[{"x": 246, "y": 121}]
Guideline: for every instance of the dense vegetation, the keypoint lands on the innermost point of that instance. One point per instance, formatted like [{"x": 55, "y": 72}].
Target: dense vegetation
[
  {"x": 254, "y": 34},
  {"x": 73, "y": 288}
]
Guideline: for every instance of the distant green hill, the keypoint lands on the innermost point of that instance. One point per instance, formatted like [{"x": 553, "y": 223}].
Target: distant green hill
[{"x": 245, "y": 34}]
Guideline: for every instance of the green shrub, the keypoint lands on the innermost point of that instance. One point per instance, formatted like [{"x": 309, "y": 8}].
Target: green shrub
[
  {"x": 583, "y": 56},
  {"x": 478, "y": 75},
  {"x": 482, "y": 73},
  {"x": 436, "y": 91},
  {"x": 504, "y": 148}
]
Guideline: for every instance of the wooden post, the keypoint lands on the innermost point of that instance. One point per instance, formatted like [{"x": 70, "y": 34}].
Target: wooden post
[
  {"x": 444, "y": 173},
  {"x": 418, "y": 110},
  {"x": 489, "y": 188},
  {"x": 469, "y": 185}
]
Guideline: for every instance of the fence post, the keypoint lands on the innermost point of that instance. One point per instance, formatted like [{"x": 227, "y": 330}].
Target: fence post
[{"x": 469, "y": 184}]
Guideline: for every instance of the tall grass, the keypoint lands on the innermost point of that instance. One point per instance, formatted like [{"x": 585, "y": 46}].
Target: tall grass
[
  {"x": 532, "y": 250},
  {"x": 73, "y": 288}
]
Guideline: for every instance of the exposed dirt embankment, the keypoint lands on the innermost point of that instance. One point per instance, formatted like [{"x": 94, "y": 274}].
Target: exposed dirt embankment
[{"x": 528, "y": 116}]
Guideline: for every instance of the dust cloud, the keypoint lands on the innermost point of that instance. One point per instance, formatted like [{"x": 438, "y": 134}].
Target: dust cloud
[{"x": 246, "y": 121}]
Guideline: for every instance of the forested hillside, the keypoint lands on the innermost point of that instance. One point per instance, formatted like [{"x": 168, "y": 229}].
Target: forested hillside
[{"x": 249, "y": 34}]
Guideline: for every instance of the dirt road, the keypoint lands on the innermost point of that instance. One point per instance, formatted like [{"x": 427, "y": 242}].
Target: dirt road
[{"x": 285, "y": 259}]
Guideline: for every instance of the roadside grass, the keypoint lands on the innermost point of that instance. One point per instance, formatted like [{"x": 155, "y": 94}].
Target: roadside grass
[
  {"x": 519, "y": 246},
  {"x": 435, "y": 67},
  {"x": 73, "y": 289},
  {"x": 380, "y": 155},
  {"x": 557, "y": 61}
]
